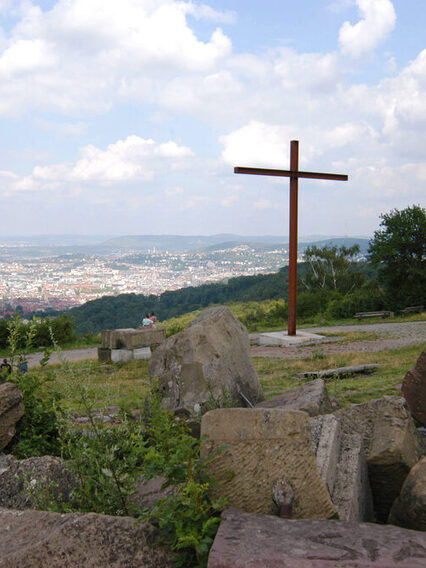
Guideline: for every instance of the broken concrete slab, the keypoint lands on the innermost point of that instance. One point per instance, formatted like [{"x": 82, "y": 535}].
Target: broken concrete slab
[
  {"x": 252, "y": 541},
  {"x": 312, "y": 397},
  {"x": 260, "y": 448}
]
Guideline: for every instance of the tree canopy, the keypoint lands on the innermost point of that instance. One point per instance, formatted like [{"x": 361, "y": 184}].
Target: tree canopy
[{"x": 398, "y": 249}]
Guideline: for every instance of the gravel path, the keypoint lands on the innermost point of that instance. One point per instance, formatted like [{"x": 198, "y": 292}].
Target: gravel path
[{"x": 392, "y": 336}]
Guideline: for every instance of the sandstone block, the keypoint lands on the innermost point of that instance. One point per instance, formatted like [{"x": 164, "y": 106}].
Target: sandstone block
[
  {"x": 104, "y": 354},
  {"x": 351, "y": 492},
  {"x": 414, "y": 389},
  {"x": 326, "y": 440},
  {"x": 263, "y": 447},
  {"x": 392, "y": 445},
  {"x": 312, "y": 398},
  {"x": 253, "y": 541},
  {"x": 409, "y": 509},
  {"x": 11, "y": 410},
  {"x": 30, "y": 539},
  {"x": 207, "y": 362}
]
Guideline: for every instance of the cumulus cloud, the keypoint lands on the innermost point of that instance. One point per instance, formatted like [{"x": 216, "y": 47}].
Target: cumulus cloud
[
  {"x": 378, "y": 19},
  {"x": 131, "y": 160}
]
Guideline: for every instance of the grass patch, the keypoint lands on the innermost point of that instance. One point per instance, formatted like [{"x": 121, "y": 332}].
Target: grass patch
[{"x": 277, "y": 374}]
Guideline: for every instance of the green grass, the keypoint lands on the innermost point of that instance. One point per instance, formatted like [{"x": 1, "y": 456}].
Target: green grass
[{"x": 277, "y": 374}]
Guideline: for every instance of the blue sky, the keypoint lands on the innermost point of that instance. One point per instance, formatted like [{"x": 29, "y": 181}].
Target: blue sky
[{"x": 127, "y": 117}]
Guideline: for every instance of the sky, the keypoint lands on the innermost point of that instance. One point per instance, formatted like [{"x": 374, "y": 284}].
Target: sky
[{"x": 127, "y": 117}]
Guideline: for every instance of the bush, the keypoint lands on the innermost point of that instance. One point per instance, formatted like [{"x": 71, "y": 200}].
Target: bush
[{"x": 369, "y": 298}]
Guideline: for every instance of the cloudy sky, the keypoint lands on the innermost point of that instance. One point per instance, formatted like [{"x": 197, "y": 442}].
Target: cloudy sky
[{"x": 127, "y": 116}]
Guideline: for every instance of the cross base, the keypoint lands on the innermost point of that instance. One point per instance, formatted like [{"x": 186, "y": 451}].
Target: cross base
[{"x": 282, "y": 338}]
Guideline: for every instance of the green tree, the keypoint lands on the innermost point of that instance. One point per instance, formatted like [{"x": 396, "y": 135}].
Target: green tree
[
  {"x": 332, "y": 268},
  {"x": 398, "y": 249}
]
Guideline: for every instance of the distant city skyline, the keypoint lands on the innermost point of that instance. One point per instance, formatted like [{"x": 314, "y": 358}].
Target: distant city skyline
[{"x": 127, "y": 118}]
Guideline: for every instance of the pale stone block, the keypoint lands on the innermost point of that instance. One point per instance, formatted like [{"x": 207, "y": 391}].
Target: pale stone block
[
  {"x": 142, "y": 353},
  {"x": 121, "y": 355},
  {"x": 262, "y": 447}
]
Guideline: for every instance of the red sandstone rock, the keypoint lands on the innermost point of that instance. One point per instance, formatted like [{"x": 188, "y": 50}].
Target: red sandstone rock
[
  {"x": 247, "y": 540},
  {"x": 414, "y": 389}
]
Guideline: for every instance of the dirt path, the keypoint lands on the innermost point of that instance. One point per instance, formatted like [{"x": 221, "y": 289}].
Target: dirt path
[
  {"x": 392, "y": 336},
  {"x": 57, "y": 357}
]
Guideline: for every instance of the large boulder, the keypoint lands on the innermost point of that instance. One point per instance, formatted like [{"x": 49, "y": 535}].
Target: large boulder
[
  {"x": 11, "y": 410},
  {"x": 414, "y": 389},
  {"x": 25, "y": 484},
  {"x": 391, "y": 442},
  {"x": 409, "y": 509},
  {"x": 262, "y": 456},
  {"x": 30, "y": 539},
  {"x": 251, "y": 541},
  {"x": 312, "y": 397},
  {"x": 207, "y": 364}
]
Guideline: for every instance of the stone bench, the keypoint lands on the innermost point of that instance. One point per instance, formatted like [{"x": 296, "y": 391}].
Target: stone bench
[{"x": 129, "y": 343}]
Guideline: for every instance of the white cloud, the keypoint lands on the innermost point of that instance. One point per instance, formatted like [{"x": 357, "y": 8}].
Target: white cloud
[
  {"x": 378, "y": 20},
  {"x": 204, "y": 12},
  {"x": 130, "y": 160},
  {"x": 263, "y": 204},
  {"x": 171, "y": 191}
]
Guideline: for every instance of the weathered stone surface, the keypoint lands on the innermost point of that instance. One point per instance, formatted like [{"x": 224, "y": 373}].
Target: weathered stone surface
[
  {"x": 206, "y": 362},
  {"x": 43, "y": 475},
  {"x": 312, "y": 398},
  {"x": 30, "y": 539},
  {"x": 142, "y": 353},
  {"x": 121, "y": 355},
  {"x": 262, "y": 447},
  {"x": 11, "y": 410},
  {"x": 409, "y": 509},
  {"x": 262, "y": 541},
  {"x": 343, "y": 468},
  {"x": 147, "y": 493},
  {"x": 104, "y": 355},
  {"x": 130, "y": 338},
  {"x": 326, "y": 444},
  {"x": 392, "y": 445},
  {"x": 351, "y": 492},
  {"x": 414, "y": 389}
]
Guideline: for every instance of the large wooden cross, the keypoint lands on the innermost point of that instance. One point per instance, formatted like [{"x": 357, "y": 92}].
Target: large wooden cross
[{"x": 294, "y": 174}]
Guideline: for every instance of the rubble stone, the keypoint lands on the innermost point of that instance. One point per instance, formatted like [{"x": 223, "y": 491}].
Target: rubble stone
[{"x": 312, "y": 398}]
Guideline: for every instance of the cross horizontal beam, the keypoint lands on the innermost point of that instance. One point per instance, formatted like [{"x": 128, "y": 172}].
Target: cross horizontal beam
[{"x": 289, "y": 173}]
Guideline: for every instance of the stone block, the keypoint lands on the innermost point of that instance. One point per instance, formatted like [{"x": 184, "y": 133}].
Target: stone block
[
  {"x": 326, "y": 443},
  {"x": 130, "y": 338},
  {"x": 391, "y": 442},
  {"x": 312, "y": 398},
  {"x": 261, "y": 448},
  {"x": 142, "y": 353},
  {"x": 261, "y": 541},
  {"x": 409, "y": 509},
  {"x": 351, "y": 492},
  {"x": 121, "y": 355},
  {"x": 104, "y": 354}
]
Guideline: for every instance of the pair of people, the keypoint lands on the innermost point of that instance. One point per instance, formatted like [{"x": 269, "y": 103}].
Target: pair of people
[
  {"x": 6, "y": 367},
  {"x": 149, "y": 320}
]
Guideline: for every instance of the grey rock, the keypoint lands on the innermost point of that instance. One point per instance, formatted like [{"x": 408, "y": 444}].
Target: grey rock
[
  {"x": 206, "y": 364},
  {"x": 253, "y": 541},
  {"x": 409, "y": 509},
  {"x": 11, "y": 410},
  {"x": 40, "y": 539},
  {"x": 414, "y": 389},
  {"x": 391, "y": 442},
  {"x": 312, "y": 398},
  {"x": 43, "y": 476},
  {"x": 148, "y": 492}
]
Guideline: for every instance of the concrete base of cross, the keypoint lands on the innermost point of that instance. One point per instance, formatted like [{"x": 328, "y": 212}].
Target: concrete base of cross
[{"x": 282, "y": 338}]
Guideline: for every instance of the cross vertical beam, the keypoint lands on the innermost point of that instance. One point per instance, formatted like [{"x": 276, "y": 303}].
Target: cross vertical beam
[
  {"x": 292, "y": 268},
  {"x": 294, "y": 174}
]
